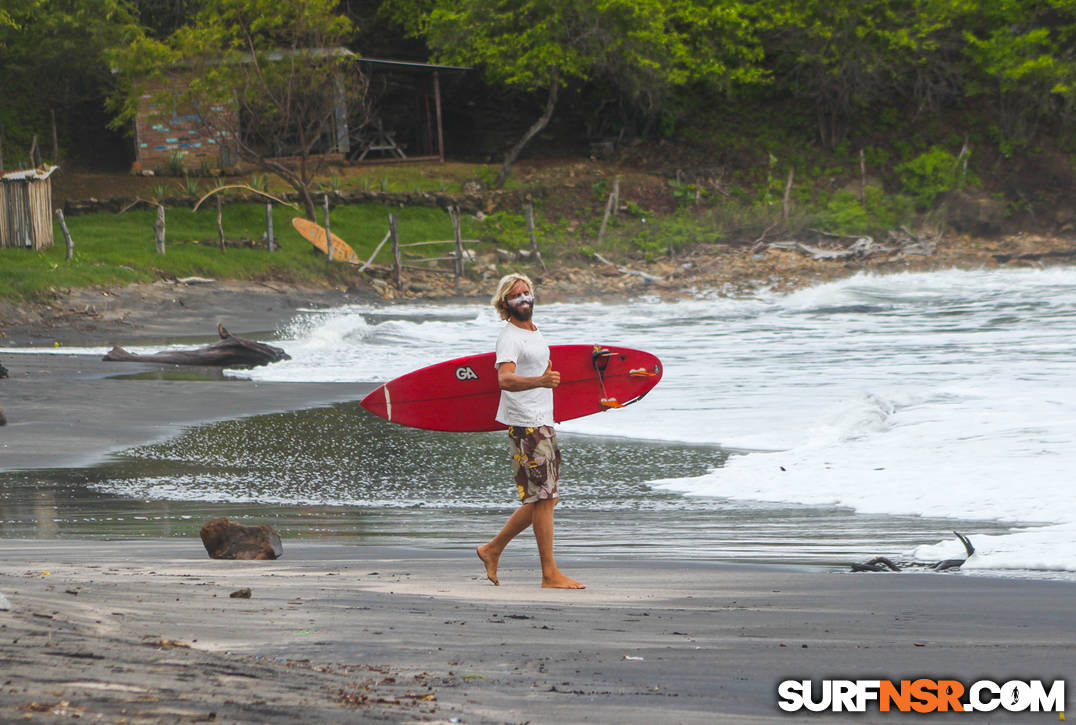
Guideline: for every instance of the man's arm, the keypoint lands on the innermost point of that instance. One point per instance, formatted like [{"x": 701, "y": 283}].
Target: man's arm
[{"x": 508, "y": 380}]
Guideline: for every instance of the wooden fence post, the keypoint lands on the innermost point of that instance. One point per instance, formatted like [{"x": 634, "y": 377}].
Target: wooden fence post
[
  {"x": 788, "y": 195},
  {"x": 862, "y": 177},
  {"x": 220, "y": 223},
  {"x": 393, "y": 233},
  {"x": 67, "y": 234},
  {"x": 269, "y": 226},
  {"x": 378, "y": 249},
  {"x": 608, "y": 212},
  {"x": 534, "y": 237},
  {"x": 158, "y": 229},
  {"x": 328, "y": 231},
  {"x": 454, "y": 215}
]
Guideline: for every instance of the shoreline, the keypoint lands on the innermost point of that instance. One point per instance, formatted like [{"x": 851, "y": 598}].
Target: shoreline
[
  {"x": 146, "y": 630},
  {"x": 337, "y": 633},
  {"x": 67, "y": 411},
  {"x": 71, "y": 411},
  {"x": 158, "y": 309}
]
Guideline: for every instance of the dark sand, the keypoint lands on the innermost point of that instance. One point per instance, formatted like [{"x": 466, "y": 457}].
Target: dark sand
[
  {"x": 71, "y": 410},
  {"x": 144, "y": 631},
  {"x": 147, "y": 631},
  {"x": 68, "y": 410}
]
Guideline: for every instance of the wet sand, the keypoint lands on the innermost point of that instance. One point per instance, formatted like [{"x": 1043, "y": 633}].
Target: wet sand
[
  {"x": 145, "y": 631},
  {"x": 72, "y": 410}
]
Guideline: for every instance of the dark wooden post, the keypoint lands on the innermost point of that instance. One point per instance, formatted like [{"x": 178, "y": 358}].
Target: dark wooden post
[
  {"x": 328, "y": 231},
  {"x": 55, "y": 138},
  {"x": 67, "y": 234},
  {"x": 158, "y": 229},
  {"x": 437, "y": 106},
  {"x": 395, "y": 251},
  {"x": 343, "y": 137},
  {"x": 269, "y": 226}
]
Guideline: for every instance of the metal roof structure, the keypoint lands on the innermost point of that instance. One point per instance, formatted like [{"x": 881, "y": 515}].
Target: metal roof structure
[
  {"x": 39, "y": 174},
  {"x": 411, "y": 64}
]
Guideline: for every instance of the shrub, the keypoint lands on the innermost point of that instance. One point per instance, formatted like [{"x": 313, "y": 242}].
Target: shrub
[
  {"x": 174, "y": 166},
  {"x": 931, "y": 174},
  {"x": 844, "y": 213},
  {"x": 657, "y": 236},
  {"x": 685, "y": 193}
]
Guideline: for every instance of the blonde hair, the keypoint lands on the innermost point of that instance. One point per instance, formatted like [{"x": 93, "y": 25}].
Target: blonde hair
[{"x": 503, "y": 288}]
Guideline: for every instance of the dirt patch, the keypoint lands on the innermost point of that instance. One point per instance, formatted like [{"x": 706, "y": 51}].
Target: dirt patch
[{"x": 80, "y": 187}]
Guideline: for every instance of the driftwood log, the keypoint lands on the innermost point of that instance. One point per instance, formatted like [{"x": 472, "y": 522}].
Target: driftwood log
[
  {"x": 903, "y": 241},
  {"x": 881, "y": 563},
  {"x": 230, "y": 352}
]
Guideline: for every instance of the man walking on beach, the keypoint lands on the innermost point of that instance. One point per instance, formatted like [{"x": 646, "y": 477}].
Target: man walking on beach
[{"x": 527, "y": 379}]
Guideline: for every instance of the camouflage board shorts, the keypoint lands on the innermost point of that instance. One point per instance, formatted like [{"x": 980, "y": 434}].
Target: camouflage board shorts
[{"x": 535, "y": 462}]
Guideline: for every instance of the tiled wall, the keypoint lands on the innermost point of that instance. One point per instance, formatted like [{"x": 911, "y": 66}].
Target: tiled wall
[{"x": 163, "y": 130}]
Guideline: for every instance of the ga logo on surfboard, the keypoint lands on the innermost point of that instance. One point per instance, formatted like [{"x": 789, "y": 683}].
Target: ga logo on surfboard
[{"x": 466, "y": 372}]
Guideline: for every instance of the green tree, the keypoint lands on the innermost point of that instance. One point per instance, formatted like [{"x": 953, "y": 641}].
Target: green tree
[
  {"x": 644, "y": 48},
  {"x": 161, "y": 18},
  {"x": 1023, "y": 54},
  {"x": 54, "y": 70},
  {"x": 845, "y": 56},
  {"x": 268, "y": 77}
]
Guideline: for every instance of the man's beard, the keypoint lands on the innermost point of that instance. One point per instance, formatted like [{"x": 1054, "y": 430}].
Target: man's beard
[{"x": 521, "y": 314}]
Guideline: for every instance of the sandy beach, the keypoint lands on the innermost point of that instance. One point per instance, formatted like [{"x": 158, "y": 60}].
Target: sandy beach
[{"x": 147, "y": 632}]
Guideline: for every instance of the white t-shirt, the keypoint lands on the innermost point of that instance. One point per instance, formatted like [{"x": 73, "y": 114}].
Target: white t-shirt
[{"x": 527, "y": 349}]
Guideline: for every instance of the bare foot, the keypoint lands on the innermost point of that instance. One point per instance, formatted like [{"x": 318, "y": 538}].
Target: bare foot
[
  {"x": 561, "y": 582},
  {"x": 490, "y": 560}
]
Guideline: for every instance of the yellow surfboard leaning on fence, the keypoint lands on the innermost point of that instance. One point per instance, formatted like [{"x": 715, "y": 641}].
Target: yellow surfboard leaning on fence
[{"x": 315, "y": 234}]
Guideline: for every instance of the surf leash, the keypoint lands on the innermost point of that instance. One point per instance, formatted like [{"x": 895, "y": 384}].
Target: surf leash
[{"x": 601, "y": 357}]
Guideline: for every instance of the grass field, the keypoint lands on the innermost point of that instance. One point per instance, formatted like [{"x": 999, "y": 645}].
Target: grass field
[{"x": 113, "y": 249}]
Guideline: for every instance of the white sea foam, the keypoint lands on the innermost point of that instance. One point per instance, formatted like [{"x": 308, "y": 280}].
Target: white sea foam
[{"x": 949, "y": 394}]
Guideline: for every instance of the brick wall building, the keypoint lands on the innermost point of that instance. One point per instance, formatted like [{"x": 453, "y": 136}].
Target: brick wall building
[{"x": 165, "y": 131}]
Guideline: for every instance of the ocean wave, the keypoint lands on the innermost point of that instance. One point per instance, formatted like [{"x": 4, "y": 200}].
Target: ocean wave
[{"x": 1041, "y": 549}]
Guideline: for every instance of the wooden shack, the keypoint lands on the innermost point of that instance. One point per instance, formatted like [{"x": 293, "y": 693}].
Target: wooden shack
[{"x": 26, "y": 208}]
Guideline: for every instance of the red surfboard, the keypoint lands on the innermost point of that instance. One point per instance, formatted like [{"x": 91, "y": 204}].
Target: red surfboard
[{"x": 462, "y": 395}]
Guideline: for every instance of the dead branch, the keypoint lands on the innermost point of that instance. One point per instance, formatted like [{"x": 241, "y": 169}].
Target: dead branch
[{"x": 248, "y": 188}]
